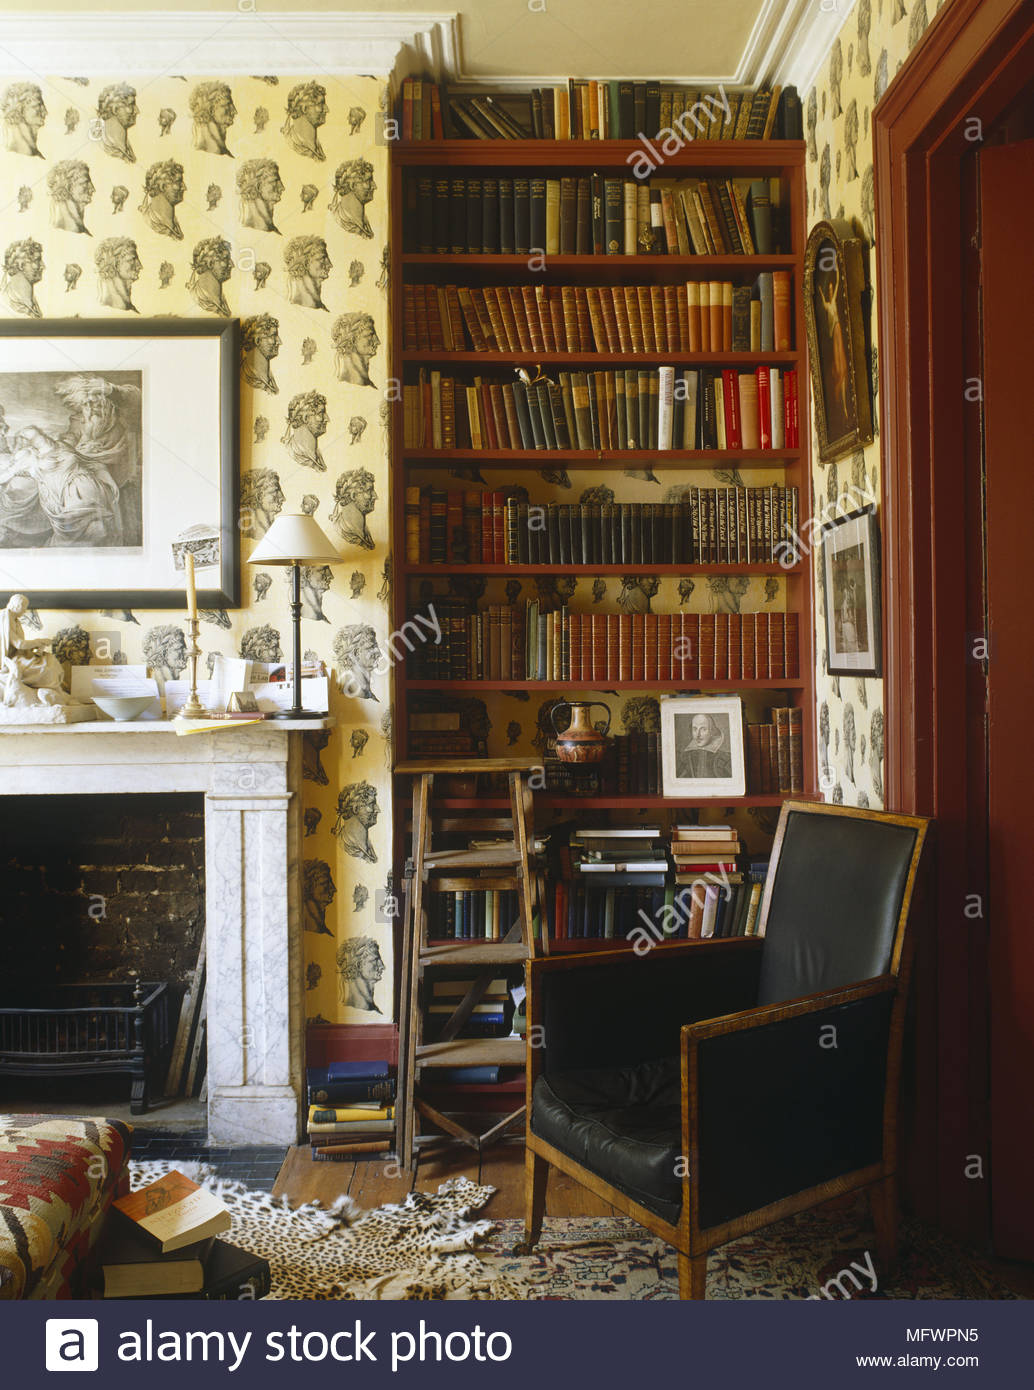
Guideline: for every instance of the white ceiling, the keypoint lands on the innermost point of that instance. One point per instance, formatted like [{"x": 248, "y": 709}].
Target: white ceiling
[{"x": 697, "y": 41}]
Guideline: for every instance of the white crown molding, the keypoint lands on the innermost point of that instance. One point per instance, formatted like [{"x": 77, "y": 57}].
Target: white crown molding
[
  {"x": 251, "y": 41},
  {"x": 801, "y": 45}
]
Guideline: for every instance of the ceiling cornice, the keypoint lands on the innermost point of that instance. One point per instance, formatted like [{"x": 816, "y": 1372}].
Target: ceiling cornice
[
  {"x": 189, "y": 42},
  {"x": 802, "y": 45}
]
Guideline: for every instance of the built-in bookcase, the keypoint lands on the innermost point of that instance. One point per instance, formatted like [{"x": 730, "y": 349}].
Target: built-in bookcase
[{"x": 787, "y": 588}]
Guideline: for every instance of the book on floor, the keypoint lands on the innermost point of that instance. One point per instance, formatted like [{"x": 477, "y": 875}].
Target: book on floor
[
  {"x": 128, "y": 1265},
  {"x": 174, "y": 1211}
]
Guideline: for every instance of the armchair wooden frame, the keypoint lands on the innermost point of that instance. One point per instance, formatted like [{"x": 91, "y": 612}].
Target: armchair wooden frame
[{"x": 692, "y": 1241}]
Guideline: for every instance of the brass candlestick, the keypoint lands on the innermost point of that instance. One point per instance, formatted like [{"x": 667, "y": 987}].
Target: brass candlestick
[{"x": 193, "y": 709}]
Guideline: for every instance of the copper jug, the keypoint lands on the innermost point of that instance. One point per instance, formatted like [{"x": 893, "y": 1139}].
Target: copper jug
[{"x": 580, "y": 742}]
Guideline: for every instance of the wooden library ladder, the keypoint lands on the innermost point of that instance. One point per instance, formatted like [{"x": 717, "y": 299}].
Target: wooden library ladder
[{"x": 506, "y": 866}]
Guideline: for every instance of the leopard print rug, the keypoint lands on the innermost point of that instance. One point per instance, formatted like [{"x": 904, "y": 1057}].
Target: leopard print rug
[{"x": 422, "y": 1248}]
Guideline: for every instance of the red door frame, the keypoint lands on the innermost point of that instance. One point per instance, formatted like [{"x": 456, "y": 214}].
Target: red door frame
[{"x": 971, "y": 63}]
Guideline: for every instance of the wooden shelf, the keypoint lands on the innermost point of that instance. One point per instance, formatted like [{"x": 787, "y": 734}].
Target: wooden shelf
[
  {"x": 777, "y": 260},
  {"x": 472, "y": 1052},
  {"x": 603, "y": 683},
  {"x": 639, "y": 802},
  {"x": 745, "y": 156},
  {"x": 616, "y": 459},
  {"x": 569, "y": 945},
  {"x": 605, "y": 359},
  {"x": 590, "y": 570},
  {"x": 463, "y": 952}
]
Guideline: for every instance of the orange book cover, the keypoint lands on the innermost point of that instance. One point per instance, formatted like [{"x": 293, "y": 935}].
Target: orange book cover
[{"x": 175, "y": 1211}]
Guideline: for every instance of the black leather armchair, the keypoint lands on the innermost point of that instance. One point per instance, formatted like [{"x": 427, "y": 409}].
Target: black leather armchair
[{"x": 707, "y": 1089}]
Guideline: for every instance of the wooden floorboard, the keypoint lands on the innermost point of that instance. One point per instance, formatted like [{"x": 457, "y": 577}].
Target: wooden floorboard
[
  {"x": 376, "y": 1183},
  {"x": 302, "y": 1180}
]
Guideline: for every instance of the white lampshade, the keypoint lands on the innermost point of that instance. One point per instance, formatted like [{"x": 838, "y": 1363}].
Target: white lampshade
[{"x": 294, "y": 540}]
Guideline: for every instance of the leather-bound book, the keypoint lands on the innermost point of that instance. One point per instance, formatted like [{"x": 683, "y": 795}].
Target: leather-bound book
[
  {"x": 614, "y": 216},
  {"x": 776, "y": 646},
  {"x": 440, "y": 216},
  {"x": 568, "y": 224},
  {"x": 554, "y": 196},
  {"x": 537, "y": 212},
  {"x": 782, "y": 312},
  {"x": 796, "y": 721},
  {"x": 583, "y": 241},
  {"x": 761, "y": 648},
  {"x": 489, "y": 216},
  {"x": 521, "y": 215},
  {"x": 520, "y": 324}
]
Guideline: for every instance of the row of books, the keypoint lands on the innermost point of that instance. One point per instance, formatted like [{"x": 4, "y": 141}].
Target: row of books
[
  {"x": 630, "y": 409},
  {"x": 745, "y": 525},
  {"x": 775, "y": 752},
  {"x": 698, "y": 316},
  {"x": 587, "y": 109},
  {"x": 631, "y": 764},
  {"x": 531, "y": 213},
  {"x": 698, "y": 911},
  {"x": 507, "y": 642},
  {"x": 472, "y": 916}
]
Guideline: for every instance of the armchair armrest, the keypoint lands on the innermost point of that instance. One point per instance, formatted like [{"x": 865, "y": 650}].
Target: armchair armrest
[
  {"x": 618, "y": 1008},
  {"x": 785, "y": 1097}
]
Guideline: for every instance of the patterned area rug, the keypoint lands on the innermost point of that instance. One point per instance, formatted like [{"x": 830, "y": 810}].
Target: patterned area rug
[
  {"x": 824, "y": 1254},
  {"x": 421, "y": 1248},
  {"x": 428, "y": 1247}
]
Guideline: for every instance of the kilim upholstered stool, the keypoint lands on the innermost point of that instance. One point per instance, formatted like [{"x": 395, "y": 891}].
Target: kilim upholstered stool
[{"x": 58, "y": 1177}]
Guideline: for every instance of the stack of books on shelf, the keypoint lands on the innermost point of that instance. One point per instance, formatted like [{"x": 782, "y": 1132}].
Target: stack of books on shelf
[
  {"x": 630, "y": 766},
  {"x": 490, "y": 1017},
  {"x": 505, "y": 642},
  {"x": 587, "y": 109},
  {"x": 160, "y": 1242},
  {"x": 710, "y": 882},
  {"x": 627, "y": 409},
  {"x": 698, "y": 316},
  {"x": 439, "y": 733},
  {"x": 619, "y": 856},
  {"x": 528, "y": 212},
  {"x": 351, "y": 1109},
  {"x": 471, "y": 915},
  {"x": 775, "y": 752}
]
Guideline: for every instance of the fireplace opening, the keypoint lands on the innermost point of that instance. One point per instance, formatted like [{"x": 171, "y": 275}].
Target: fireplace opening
[{"x": 101, "y": 920}]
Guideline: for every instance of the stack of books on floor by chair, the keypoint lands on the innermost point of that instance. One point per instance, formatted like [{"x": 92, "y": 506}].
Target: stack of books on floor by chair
[
  {"x": 351, "y": 1110},
  {"x": 160, "y": 1242}
]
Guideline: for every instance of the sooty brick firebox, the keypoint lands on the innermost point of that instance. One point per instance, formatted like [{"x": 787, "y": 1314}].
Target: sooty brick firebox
[{"x": 101, "y": 889}]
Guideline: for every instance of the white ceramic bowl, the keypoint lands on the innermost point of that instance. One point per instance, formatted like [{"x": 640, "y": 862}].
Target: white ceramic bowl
[{"x": 123, "y": 707}]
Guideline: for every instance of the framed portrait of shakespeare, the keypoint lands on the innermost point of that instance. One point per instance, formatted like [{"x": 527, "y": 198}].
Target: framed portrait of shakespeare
[
  {"x": 702, "y": 746},
  {"x": 118, "y": 458},
  {"x": 851, "y": 591},
  {"x": 834, "y": 286}
]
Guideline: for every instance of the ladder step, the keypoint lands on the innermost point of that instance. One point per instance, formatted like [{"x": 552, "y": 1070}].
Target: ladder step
[
  {"x": 475, "y": 953},
  {"x": 472, "y": 1052},
  {"x": 473, "y": 858}
]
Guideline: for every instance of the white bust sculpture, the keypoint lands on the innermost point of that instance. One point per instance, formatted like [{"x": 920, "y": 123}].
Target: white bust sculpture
[{"x": 31, "y": 689}]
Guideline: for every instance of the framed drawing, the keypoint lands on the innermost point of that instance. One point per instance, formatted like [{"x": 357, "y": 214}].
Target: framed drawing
[
  {"x": 118, "y": 455},
  {"x": 834, "y": 283},
  {"x": 851, "y": 589},
  {"x": 702, "y": 746}
]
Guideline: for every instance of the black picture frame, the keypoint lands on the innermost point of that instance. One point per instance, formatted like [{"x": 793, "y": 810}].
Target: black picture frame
[
  {"x": 851, "y": 571},
  {"x": 226, "y": 593}
]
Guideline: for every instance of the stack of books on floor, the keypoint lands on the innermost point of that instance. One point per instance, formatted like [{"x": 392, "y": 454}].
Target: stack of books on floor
[
  {"x": 351, "y": 1109},
  {"x": 160, "y": 1242}
]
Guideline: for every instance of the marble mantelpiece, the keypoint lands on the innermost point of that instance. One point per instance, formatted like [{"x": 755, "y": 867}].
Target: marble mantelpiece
[{"x": 250, "y": 776}]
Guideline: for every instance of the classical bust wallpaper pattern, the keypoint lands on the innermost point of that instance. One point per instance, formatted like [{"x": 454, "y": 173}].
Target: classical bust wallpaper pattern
[
  {"x": 875, "y": 40},
  {"x": 264, "y": 199}
]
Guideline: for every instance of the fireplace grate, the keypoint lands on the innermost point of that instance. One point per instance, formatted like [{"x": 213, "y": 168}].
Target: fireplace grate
[{"x": 76, "y": 1030}]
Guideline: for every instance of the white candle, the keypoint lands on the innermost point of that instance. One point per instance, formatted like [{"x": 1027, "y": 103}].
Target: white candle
[{"x": 188, "y": 565}]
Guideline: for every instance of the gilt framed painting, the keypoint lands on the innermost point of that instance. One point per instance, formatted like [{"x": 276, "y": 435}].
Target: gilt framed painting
[
  {"x": 118, "y": 455},
  {"x": 834, "y": 286}
]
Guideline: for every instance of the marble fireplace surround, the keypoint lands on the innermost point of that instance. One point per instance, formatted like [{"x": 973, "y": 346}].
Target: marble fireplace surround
[{"x": 250, "y": 777}]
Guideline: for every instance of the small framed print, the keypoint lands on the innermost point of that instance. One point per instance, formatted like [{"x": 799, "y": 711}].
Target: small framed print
[
  {"x": 851, "y": 588},
  {"x": 702, "y": 746}
]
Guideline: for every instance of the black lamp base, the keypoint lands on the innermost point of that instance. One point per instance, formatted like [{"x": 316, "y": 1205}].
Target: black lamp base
[{"x": 296, "y": 714}]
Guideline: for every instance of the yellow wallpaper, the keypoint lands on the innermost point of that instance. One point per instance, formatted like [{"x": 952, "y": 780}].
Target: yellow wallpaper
[
  {"x": 865, "y": 57},
  {"x": 262, "y": 198}
]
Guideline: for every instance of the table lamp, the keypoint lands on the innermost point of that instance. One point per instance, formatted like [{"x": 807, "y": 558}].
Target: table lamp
[{"x": 295, "y": 541}]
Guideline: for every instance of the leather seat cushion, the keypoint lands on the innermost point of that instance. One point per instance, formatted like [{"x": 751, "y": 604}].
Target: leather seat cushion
[{"x": 624, "y": 1124}]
